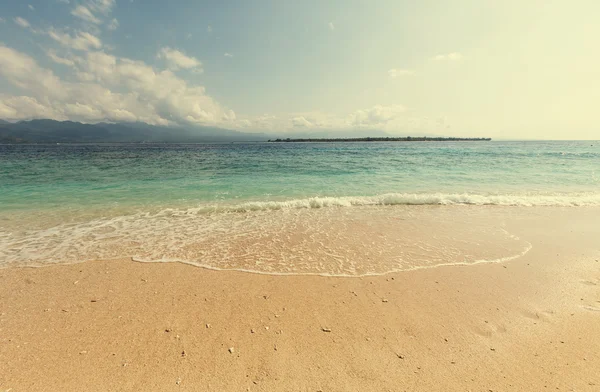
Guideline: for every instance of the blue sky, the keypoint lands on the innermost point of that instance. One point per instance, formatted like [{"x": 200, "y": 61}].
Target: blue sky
[{"x": 511, "y": 69}]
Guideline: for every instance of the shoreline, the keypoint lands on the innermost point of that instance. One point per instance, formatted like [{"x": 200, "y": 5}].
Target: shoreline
[
  {"x": 531, "y": 323},
  {"x": 320, "y": 242}
]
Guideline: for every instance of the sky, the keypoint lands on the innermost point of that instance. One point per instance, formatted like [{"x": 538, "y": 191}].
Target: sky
[{"x": 526, "y": 69}]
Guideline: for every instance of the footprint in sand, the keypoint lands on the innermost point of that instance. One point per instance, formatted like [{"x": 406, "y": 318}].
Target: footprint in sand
[
  {"x": 544, "y": 315},
  {"x": 591, "y": 308},
  {"x": 488, "y": 330},
  {"x": 590, "y": 282}
]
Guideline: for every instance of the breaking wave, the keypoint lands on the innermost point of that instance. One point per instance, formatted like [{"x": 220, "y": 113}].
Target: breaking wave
[{"x": 527, "y": 200}]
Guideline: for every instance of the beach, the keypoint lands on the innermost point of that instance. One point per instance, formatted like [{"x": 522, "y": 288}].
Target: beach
[
  {"x": 296, "y": 196},
  {"x": 531, "y": 323}
]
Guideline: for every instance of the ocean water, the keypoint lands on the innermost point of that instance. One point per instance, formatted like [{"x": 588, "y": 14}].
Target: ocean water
[{"x": 305, "y": 208}]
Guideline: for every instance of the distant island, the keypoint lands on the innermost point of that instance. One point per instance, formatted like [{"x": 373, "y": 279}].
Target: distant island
[{"x": 387, "y": 139}]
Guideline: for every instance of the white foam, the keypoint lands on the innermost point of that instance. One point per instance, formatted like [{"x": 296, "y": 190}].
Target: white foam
[
  {"x": 522, "y": 200},
  {"x": 359, "y": 241}
]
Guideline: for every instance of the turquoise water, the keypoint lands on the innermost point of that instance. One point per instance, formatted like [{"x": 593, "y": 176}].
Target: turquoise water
[
  {"x": 50, "y": 176},
  {"x": 318, "y": 208}
]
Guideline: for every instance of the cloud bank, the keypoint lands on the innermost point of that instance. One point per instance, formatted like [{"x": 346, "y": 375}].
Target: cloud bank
[{"x": 86, "y": 82}]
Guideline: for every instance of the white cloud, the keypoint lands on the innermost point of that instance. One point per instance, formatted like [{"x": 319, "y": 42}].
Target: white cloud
[
  {"x": 58, "y": 59},
  {"x": 23, "y": 107},
  {"x": 89, "y": 10},
  {"x": 392, "y": 118},
  {"x": 397, "y": 72},
  {"x": 209, "y": 29},
  {"x": 23, "y": 71},
  {"x": 454, "y": 56},
  {"x": 301, "y": 122},
  {"x": 80, "y": 41},
  {"x": 108, "y": 89},
  {"x": 31, "y": 7},
  {"x": 331, "y": 26},
  {"x": 2, "y": 20},
  {"x": 113, "y": 24},
  {"x": 102, "y": 6},
  {"x": 85, "y": 76},
  {"x": 377, "y": 115},
  {"x": 228, "y": 55},
  {"x": 79, "y": 110},
  {"x": 262, "y": 122},
  {"x": 170, "y": 97},
  {"x": 177, "y": 59},
  {"x": 382, "y": 117},
  {"x": 85, "y": 14},
  {"x": 22, "y": 22}
]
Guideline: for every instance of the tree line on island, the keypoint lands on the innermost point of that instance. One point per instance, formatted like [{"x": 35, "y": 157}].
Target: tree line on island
[{"x": 386, "y": 139}]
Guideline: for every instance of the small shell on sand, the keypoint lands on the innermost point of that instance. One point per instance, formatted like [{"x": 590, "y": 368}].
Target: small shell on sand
[
  {"x": 326, "y": 329},
  {"x": 231, "y": 350}
]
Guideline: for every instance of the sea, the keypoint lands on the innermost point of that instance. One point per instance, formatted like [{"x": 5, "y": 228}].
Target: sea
[{"x": 335, "y": 209}]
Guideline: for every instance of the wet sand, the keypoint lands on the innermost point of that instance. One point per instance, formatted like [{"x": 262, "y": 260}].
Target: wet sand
[{"x": 528, "y": 324}]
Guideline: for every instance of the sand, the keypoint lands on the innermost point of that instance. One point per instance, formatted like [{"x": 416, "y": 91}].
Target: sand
[{"x": 529, "y": 324}]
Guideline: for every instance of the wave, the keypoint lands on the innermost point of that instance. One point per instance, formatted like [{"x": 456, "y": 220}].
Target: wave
[
  {"x": 529, "y": 200},
  {"x": 299, "y": 236}
]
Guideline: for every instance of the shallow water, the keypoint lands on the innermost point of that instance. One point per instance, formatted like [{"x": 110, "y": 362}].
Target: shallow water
[
  {"x": 335, "y": 241},
  {"x": 330, "y": 209}
]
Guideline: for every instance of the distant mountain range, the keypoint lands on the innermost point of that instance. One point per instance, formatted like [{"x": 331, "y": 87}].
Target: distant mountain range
[{"x": 52, "y": 131}]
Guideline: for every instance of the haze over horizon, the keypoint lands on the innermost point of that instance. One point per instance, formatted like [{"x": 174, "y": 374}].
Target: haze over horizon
[{"x": 506, "y": 70}]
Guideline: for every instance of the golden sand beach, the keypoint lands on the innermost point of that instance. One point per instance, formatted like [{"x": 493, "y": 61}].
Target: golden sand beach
[{"x": 528, "y": 324}]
